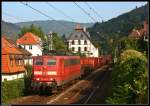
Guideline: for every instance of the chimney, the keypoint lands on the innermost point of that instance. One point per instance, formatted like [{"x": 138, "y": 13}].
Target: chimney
[{"x": 78, "y": 27}]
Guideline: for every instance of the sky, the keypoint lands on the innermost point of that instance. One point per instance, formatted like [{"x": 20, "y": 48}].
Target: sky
[{"x": 15, "y": 12}]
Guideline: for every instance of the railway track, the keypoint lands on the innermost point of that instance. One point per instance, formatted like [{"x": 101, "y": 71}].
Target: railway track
[
  {"x": 98, "y": 86},
  {"x": 79, "y": 93}
]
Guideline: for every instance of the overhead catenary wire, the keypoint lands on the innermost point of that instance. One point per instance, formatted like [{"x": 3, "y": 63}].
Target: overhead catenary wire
[
  {"x": 59, "y": 11},
  {"x": 12, "y": 16},
  {"x": 41, "y": 12},
  {"x": 94, "y": 11},
  {"x": 85, "y": 11}
]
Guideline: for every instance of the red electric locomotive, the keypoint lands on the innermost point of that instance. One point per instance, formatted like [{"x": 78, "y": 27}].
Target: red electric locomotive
[
  {"x": 55, "y": 71},
  {"x": 52, "y": 72}
]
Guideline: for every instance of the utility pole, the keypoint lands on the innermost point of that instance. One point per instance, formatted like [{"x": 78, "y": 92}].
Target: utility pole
[
  {"x": 50, "y": 46},
  {"x": 117, "y": 47}
]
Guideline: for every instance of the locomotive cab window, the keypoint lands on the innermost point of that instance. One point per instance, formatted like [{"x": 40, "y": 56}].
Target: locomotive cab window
[
  {"x": 38, "y": 62},
  {"x": 51, "y": 62}
]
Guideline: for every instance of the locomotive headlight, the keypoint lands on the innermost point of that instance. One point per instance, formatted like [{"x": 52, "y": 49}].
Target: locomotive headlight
[
  {"x": 37, "y": 72},
  {"x": 51, "y": 73},
  {"x": 37, "y": 79}
]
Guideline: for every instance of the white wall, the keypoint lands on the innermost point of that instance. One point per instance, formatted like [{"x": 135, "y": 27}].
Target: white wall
[
  {"x": 12, "y": 77},
  {"x": 90, "y": 47},
  {"x": 28, "y": 61},
  {"x": 36, "y": 49}
]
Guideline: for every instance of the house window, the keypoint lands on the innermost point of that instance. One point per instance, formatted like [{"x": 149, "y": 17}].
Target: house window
[
  {"x": 73, "y": 42},
  {"x": 24, "y": 47},
  {"x": 85, "y": 48},
  {"x": 85, "y": 42},
  {"x": 79, "y": 42},
  {"x": 17, "y": 62},
  {"x": 30, "y": 46},
  {"x": 76, "y": 36},
  {"x": 5, "y": 79},
  {"x": 81, "y": 36},
  {"x": 72, "y": 48},
  {"x": 20, "y": 62},
  {"x": 79, "y": 49},
  {"x": 11, "y": 62}
]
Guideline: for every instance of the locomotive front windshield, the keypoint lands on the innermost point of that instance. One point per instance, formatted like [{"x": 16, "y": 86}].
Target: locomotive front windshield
[
  {"x": 38, "y": 62},
  {"x": 51, "y": 62}
]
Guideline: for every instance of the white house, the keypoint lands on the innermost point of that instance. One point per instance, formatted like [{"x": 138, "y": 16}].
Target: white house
[
  {"x": 80, "y": 41},
  {"x": 32, "y": 44}
]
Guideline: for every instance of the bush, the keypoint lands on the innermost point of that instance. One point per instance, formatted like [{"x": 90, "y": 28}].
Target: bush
[
  {"x": 130, "y": 79},
  {"x": 18, "y": 87},
  {"x": 27, "y": 79},
  {"x": 12, "y": 89}
]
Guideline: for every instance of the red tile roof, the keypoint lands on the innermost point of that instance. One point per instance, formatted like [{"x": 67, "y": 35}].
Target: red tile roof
[
  {"x": 8, "y": 47},
  {"x": 141, "y": 32},
  {"x": 28, "y": 38}
]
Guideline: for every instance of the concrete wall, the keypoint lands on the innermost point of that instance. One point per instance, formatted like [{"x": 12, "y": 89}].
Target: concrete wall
[{"x": 12, "y": 77}]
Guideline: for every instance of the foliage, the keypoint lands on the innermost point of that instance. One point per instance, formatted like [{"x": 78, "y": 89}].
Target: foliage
[
  {"x": 123, "y": 23},
  {"x": 142, "y": 46},
  {"x": 58, "y": 43},
  {"x": 27, "y": 79},
  {"x": 28, "y": 68},
  {"x": 129, "y": 43},
  {"x": 12, "y": 89},
  {"x": 54, "y": 26},
  {"x": 130, "y": 79},
  {"x": 33, "y": 29}
]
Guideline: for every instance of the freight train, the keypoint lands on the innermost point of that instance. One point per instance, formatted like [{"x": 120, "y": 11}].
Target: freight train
[{"x": 53, "y": 72}]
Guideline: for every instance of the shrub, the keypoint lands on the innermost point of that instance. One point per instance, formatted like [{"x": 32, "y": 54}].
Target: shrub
[
  {"x": 18, "y": 87},
  {"x": 12, "y": 89},
  {"x": 27, "y": 79},
  {"x": 130, "y": 79}
]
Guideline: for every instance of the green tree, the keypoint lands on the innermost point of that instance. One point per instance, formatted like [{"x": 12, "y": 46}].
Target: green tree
[
  {"x": 129, "y": 43},
  {"x": 33, "y": 29},
  {"x": 130, "y": 79},
  {"x": 58, "y": 43}
]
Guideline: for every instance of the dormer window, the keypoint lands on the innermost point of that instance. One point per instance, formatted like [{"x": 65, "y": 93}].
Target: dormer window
[
  {"x": 76, "y": 36},
  {"x": 79, "y": 42},
  {"x": 85, "y": 42},
  {"x": 73, "y": 42},
  {"x": 30, "y": 46}
]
